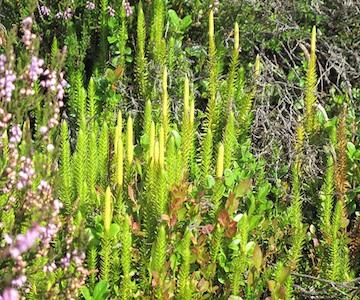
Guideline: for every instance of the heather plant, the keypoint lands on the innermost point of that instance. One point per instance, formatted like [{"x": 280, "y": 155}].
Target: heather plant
[
  {"x": 38, "y": 255},
  {"x": 128, "y": 167}
]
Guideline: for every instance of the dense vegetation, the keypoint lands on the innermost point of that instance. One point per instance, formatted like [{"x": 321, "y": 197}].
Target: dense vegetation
[{"x": 179, "y": 150}]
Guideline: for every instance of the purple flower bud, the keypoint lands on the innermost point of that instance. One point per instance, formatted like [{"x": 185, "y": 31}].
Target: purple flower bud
[
  {"x": 44, "y": 10},
  {"x": 27, "y": 22},
  {"x": 128, "y": 8},
  {"x": 111, "y": 11},
  {"x": 67, "y": 14},
  {"x": 10, "y": 294},
  {"x": 35, "y": 68},
  {"x": 24, "y": 242},
  {"x": 59, "y": 15},
  {"x": 19, "y": 282},
  {"x": 90, "y": 5},
  {"x": 8, "y": 239}
]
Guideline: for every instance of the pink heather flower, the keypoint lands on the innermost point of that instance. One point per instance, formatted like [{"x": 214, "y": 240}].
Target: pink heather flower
[
  {"x": 48, "y": 233},
  {"x": 50, "y": 148},
  {"x": 57, "y": 205},
  {"x": 8, "y": 239},
  {"x": 65, "y": 261},
  {"x": 111, "y": 11},
  {"x": 27, "y": 22},
  {"x": 15, "y": 134},
  {"x": 24, "y": 242},
  {"x": 26, "y": 173},
  {"x": 3, "y": 60},
  {"x": 59, "y": 15},
  {"x": 4, "y": 119},
  {"x": 90, "y": 5},
  {"x": 44, "y": 10},
  {"x": 68, "y": 13},
  {"x": 7, "y": 79},
  {"x": 35, "y": 69},
  {"x": 49, "y": 268},
  {"x": 61, "y": 89},
  {"x": 19, "y": 282},
  {"x": 10, "y": 294},
  {"x": 28, "y": 36},
  {"x": 43, "y": 130},
  {"x": 128, "y": 8},
  {"x": 50, "y": 81}
]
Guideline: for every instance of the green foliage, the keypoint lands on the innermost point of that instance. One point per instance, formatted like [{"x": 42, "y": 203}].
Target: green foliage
[
  {"x": 66, "y": 178},
  {"x": 184, "y": 285},
  {"x": 103, "y": 151},
  {"x": 230, "y": 141},
  {"x": 141, "y": 61},
  {"x": 92, "y": 163},
  {"x": 80, "y": 165},
  {"x": 103, "y": 44},
  {"x": 311, "y": 82},
  {"x": 228, "y": 101},
  {"x": 206, "y": 154},
  {"x": 157, "y": 30},
  {"x": 92, "y": 265},
  {"x": 327, "y": 201},
  {"x": 126, "y": 253},
  {"x": 91, "y": 103},
  {"x": 212, "y": 107}
]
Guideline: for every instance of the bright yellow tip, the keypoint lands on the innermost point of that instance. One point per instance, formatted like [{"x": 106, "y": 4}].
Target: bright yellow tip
[
  {"x": 236, "y": 37},
  {"x": 211, "y": 23},
  {"x": 220, "y": 161},
  {"x": 257, "y": 66},
  {"x": 313, "y": 40},
  {"x": 130, "y": 141},
  {"x": 120, "y": 163},
  {"x": 156, "y": 152},
  {"x": 192, "y": 111},
  {"x": 107, "y": 210}
]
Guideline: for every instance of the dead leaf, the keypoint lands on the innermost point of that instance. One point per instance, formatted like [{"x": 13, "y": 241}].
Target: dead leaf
[
  {"x": 257, "y": 257},
  {"x": 232, "y": 204},
  {"x": 224, "y": 218},
  {"x": 231, "y": 229}
]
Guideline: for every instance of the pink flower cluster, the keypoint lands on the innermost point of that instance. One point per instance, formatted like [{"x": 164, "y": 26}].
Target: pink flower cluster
[
  {"x": 111, "y": 11},
  {"x": 215, "y": 6},
  {"x": 128, "y": 8},
  {"x": 4, "y": 119},
  {"x": 65, "y": 15},
  {"x": 19, "y": 281},
  {"x": 10, "y": 294},
  {"x": 7, "y": 79},
  {"x": 26, "y": 173},
  {"x": 36, "y": 68},
  {"x": 77, "y": 281},
  {"x": 23, "y": 242},
  {"x": 28, "y": 36},
  {"x": 45, "y": 11},
  {"x": 13, "y": 156},
  {"x": 90, "y": 5}
]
